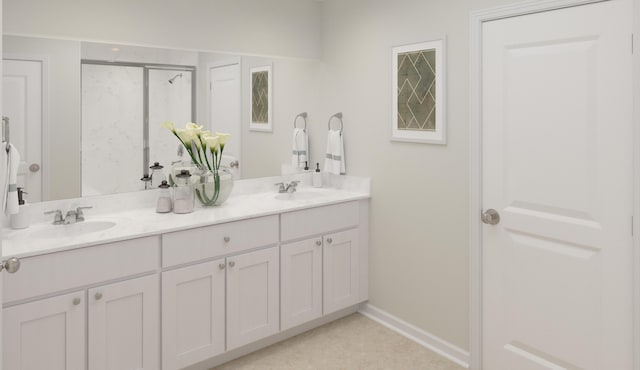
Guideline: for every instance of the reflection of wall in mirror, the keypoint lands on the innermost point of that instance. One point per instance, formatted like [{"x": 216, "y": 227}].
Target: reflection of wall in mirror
[{"x": 63, "y": 134}]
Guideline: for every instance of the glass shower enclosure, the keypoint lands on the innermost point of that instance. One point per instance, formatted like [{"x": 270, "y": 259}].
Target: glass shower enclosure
[{"x": 123, "y": 107}]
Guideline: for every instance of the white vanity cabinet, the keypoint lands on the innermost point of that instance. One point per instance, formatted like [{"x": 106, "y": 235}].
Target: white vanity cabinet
[
  {"x": 121, "y": 330},
  {"x": 341, "y": 270},
  {"x": 237, "y": 295},
  {"x": 326, "y": 270},
  {"x": 193, "y": 314},
  {"x": 190, "y": 298},
  {"x": 123, "y": 325},
  {"x": 45, "y": 334},
  {"x": 253, "y": 293},
  {"x": 301, "y": 282}
]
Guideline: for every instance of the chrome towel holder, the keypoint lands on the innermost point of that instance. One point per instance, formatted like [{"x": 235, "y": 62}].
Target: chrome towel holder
[
  {"x": 338, "y": 116},
  {"x": 304, "y": 117}
]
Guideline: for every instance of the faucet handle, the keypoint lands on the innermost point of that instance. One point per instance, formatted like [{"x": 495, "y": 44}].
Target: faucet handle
[
  {"x": 57, "y": 219},
  {"x": 80, "y": 214},
  {"x": 281, "y": 184}
]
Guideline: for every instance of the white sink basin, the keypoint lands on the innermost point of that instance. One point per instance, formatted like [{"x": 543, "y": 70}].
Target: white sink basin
[
  {"x": 77, "y": 229},
  {"x": 299, "y": 195}
]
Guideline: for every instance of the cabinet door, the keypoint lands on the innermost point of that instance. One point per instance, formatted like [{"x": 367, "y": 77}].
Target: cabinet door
[
  {"x": 252, "y": 296},
  {"x": 192, "y": 314},
  {"x": 45, "y": 334},
  {"x": 300, "y": 282},
  {"x": 341, "y": 270},
  {"x": 123, "y": 325}
]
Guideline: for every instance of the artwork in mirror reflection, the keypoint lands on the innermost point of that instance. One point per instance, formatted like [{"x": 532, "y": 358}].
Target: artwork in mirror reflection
[
  {"x": 121, "y": 133},
  {"x": 261, "y": 98}
]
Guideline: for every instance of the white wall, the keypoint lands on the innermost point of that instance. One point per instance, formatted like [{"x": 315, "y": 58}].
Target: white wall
[
  {"x": 419, "y": 224},
  {"x": 295, "y": 90},
  {"x": 275, "y": 27}
]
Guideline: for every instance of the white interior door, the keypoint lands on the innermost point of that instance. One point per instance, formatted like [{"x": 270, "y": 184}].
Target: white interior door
[
  {"x": 557, "y": 166},
  {"x": 22, "y": 102},
  {"x": 224, "y": 108}
]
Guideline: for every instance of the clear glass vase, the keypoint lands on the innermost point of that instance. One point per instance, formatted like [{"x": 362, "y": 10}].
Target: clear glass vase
[{"x": 213, "y": 187}]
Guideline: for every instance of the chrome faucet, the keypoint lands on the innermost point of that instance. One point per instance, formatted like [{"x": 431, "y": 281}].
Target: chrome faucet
[
  {"x": 71, "y": 217},
  {"x": 287, "y": 188},
  {"x": 57, "y": 218}
]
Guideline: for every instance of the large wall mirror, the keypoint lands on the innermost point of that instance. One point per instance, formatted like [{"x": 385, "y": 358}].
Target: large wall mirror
[{"x": 92, "y": 126}]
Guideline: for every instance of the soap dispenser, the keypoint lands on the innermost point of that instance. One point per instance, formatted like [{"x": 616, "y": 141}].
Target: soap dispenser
[
  {"x": 21, "y": 219},
  {"x": 317, "y": 177}
]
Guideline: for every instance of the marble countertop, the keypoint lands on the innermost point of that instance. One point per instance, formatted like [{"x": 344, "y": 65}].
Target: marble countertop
[{"x": 252, "y": 199}]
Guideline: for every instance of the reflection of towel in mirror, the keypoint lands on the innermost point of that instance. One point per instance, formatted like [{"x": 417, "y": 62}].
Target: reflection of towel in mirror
[
  {"x": 10, "y": 201},
  {"x": 300, "y": 148},
  {"x": 334, "y": 161}
]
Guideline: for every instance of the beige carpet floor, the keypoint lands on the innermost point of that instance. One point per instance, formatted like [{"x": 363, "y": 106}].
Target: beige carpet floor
[{"x": 354, "y": 342}]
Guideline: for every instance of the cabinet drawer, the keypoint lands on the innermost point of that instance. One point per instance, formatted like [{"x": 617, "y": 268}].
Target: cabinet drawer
[
  {"x": 211, "y": 241},
  {"x": 315, "y": 221},
  {"x": 54, "y": 272}
]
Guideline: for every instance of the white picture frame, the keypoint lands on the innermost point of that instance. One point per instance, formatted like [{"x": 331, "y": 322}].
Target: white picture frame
[
  {"x": 259, "y": 119},
  {"x": 417, "y": 122}
]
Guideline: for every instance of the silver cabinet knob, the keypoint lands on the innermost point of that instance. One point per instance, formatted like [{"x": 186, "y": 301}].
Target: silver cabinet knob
[
  {"x": 234, "y": 164},
  {"x": 34, "y": 167},
  {"x": 76, "y": 301},
  {"x": 98, "y": 296},
  {"x": 318, "y": 243},
  {"x": 231, "y": 263},
  {"x": 227, "y": 239},
  {"x": 12, "y": 265},
  {"x": 222, "y": 266},
  {"x": 491, "y": 217},
  {"x": 329, "y": 240}
]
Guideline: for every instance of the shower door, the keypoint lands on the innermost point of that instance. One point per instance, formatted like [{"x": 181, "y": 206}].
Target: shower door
[{"x": 123, "y": 106}]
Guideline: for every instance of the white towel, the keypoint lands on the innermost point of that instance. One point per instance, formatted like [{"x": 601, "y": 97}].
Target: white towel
[
  {"x": 10, "y": 203},
  {"x": 300, "y": 148},
  {"x": 334, "y": 161}
]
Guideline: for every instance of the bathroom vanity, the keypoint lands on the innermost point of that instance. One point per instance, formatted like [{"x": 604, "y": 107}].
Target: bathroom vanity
[{"x": 167, "y": 291}]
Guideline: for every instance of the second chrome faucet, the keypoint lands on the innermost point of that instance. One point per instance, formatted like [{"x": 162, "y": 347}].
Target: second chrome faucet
[{"x": 287, "y": 188}]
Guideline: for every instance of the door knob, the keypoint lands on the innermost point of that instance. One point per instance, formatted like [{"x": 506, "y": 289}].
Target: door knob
[
  {"x": 12, "y": 265},
  {"x": 491, "y": 217},
  {"x": 34, "y": 167},
  {"x": 98, "y": 296}
]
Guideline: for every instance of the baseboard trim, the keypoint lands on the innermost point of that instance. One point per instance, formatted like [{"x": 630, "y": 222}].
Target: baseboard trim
[{"x": 425, "y": 339}]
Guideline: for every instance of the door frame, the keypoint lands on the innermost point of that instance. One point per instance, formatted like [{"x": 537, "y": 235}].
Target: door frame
[
  {"x": 44, "y": 160},
  {"x": 477, "y": 18}
]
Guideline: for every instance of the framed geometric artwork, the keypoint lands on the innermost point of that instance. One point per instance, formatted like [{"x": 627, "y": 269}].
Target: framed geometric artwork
[
  {"x": 261, "y": 100},
  {"x": 419, "y": 98}
]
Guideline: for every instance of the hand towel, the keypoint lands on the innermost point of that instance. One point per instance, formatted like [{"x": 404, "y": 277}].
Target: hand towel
[
  {"x": 11, "y": 189},
  {"x": 334, "y": 162},
  {"x": 300, "y": 148}
]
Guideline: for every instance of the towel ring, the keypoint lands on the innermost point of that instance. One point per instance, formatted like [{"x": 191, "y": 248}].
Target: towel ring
[
  {"x": 304, "y": 117},
  {"x": 338, "y": 116}
]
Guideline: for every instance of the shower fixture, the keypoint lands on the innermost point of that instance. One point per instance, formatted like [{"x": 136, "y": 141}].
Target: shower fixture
[{"x": 174, "y": 78}]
